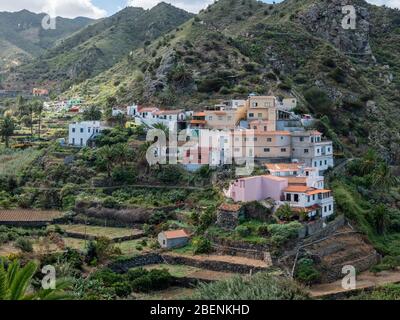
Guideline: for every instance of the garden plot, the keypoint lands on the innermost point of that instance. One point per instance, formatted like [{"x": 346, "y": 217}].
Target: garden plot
[
  {"x": 93, "y": 232},
  {"x": 183, "y": 271}
]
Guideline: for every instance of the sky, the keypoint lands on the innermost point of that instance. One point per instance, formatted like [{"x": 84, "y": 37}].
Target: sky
[{"x": 102, "y": 8}]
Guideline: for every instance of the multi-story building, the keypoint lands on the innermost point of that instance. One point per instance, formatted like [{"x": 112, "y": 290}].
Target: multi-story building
[
  {"x": 262, "y": 108},
  {"x": 301, "y": 197},
  {"x": 150, "y": 116},
  {"x": 309, "y": 147},
  {"x": 221, "y": 117},
  {"x": 81, "y": 132},
  {"x": 315, "y": 202}
]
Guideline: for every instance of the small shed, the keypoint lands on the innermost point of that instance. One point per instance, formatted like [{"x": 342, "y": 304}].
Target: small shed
[{"x": 173, "y": 239}]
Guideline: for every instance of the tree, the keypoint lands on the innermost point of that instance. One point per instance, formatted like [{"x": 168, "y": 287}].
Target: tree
[
  {"x": 92, "y": 114},
  {"x": 39, "y": 109},
  {"x": 7, "y": 128},
  {"x": 32, "y": 107},
  {"x": 15, "y": 281},
  {"x": 383, "y": 178},
  {"x": 284, "y": 212}
]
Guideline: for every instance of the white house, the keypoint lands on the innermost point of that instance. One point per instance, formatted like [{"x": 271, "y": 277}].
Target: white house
[
  {"x": 81, "y": 132},
  {"x": 151, "y": 116},
  {"x": 118, "y": 111},
  {"x": 310, "y": 200}
]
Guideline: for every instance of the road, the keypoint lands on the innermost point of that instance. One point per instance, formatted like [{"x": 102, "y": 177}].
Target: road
[{"x": 366, "y": 280}]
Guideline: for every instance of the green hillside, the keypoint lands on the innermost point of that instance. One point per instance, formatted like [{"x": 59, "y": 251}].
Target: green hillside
[
  {"x": 348, "y": 77},
  {"x": 23, "y": 38},
  {"x": 99, "y": 46}
]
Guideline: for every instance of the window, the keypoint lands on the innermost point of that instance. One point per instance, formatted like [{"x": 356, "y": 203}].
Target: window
[
  {"x": 306, "y": 151},
  {"x": 288, "y": 197},
  {"x": 260, "y": 115},
  {"x": 313, "y": 196},
  {"x": 269, "y": 139},
  {"x": 210, "y": 118},
  {"x": 326, "y": 162},
  {"x": 164, "y": 242},
  {"x": 320, "y": 163},
  {"x": 73, "y": 129},
  {"x": 255, "y": 104},
  {"x": 237, "y": 149},
  {"x": 330, "y": 207},
  {"x": 301, "y": 139},
  {"x": 283, "y": 150},
  {"x": 89, "y": 129},
  {"x": 81, "y": 130},
  {"x": 265, "y": 128},
  {"x": 296, "y": 198},
  {"x": 266, "y": 149},
  {"x": 325, "y": 209},
  {"x": 229, "y": 118},
  {"x": 318, "y": 151},
  {"x": 81, "y": 142},
  {"x": 315, "y": 164},
  {"x": 312, "y": 139},
  {"x": 251, "y": 115},
  {"x": 73, "y": 140},
  {"x": 220, "y": 118}
]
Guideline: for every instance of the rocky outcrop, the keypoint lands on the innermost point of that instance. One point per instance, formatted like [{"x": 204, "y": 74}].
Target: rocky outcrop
[{"x": 324, "y": 19}]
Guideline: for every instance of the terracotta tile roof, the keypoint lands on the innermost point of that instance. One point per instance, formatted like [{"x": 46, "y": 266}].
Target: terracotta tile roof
[
  {"x": 198, "y": 121},
  {"x": 28, "y": 215},
  {"x": 176, "y": 234},
  {"x": 318, "y": 191},
  {"x": 148, "y": 109},
  {"x": 199, "y": 114},
  {"x": 300, "y": 189},
  {"x": 167, "y": 112},
  {"x": 230, "y": 207}
]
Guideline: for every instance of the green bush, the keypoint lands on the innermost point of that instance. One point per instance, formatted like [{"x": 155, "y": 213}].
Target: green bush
[
  {"x": 201, "y": 245},
  {"x": 24, "y": 244},
  {"x": 306, "y": 272},
  {"x": 281, "y": 233},
  {"x": 243, "y": 231}
]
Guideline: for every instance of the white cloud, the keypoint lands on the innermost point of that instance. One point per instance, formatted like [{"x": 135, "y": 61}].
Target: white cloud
[
  {"x": 189, "y": 5},
  {"x": 389, "y": 3},
  {"x": 62, "y": 8}
]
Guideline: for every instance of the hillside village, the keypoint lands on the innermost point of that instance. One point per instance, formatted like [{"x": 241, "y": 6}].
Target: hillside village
[{"x": 248, "y": 176}]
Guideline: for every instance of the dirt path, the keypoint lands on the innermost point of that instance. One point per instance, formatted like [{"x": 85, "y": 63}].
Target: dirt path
[{"x": 365, "y": 280}]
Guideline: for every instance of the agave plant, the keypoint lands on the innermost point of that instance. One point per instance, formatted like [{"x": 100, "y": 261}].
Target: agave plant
[{"x": 15, "y": 281}]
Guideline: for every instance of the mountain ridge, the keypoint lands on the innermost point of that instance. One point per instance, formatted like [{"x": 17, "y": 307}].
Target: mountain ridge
[{"x": 297, "y": 48}]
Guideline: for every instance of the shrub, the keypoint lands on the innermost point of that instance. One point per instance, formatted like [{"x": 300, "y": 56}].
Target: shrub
[
  {"x": 306, "y": 272},
  {"x": 318, "y": 100},
  {"x": 282, "y": 233},
  {"x": 201, "y": 245},
  {"x": 122, "y": 289},
  {"x": 24, "y": 244},
  {"x": 243, "y": 231},
  {"x": 261, "y": 286}
]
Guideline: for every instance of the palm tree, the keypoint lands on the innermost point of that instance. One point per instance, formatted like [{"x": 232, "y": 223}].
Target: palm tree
[
  {"x": 32, "y": 107},
  {"x": 15, "y": 282},
  {"x": 39, "y": 109},
  {"x": 7, "y": 128},
  {"x": 383, "y": 177}
]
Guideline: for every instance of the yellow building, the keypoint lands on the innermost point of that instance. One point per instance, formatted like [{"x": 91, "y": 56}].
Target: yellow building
[
  {"x": 262, "y": 108},
  {"x": 221, "y": 118}
]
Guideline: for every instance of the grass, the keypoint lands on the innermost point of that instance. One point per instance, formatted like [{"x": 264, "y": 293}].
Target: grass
[
  {"x": 13, "y": 162},
  {"x": 178, "y": 271},
  {"x": 96, "y": 231}
]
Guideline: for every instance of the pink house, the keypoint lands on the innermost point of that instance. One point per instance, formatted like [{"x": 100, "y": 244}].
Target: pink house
[{"x": 257, "y": 188}]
